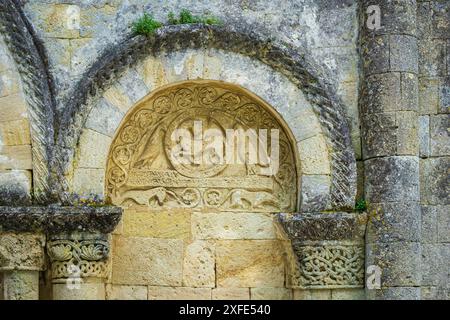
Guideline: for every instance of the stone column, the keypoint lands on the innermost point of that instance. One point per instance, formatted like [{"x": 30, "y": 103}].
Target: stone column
[
  {"x": 79, "y": 265},
  {"x": 21, "y": 260},
  {"x": 389, "y": 114}
]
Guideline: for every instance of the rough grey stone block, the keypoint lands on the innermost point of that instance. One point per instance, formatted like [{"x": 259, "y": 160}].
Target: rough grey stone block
[
  {"x": 424, "y": 136},
  {"x": 376, "y": 59},
  {"x": 403, "y": 53},
  {"x": 393, "y": 222},
  {"x": 392, "y": 179},
  {"x": 443, "y": 223},
  {"x": 440, "y": 135},
  {"x": 429, "y": 224},
  {"x": 428, "y": 95},
  {"x": 315, "y": 193},
  {"x": 398, "y": 293},
  {"x": 444, "y": 92},
  {"x": 432, "y": 57},
  {"x": 397, "y": 17},
  {"x": 382, "y": 93},
  {"x": 441, "y": 18},
  {"x": 379, "y": 132},
  {"x": 435, "y": 181},
  {"x": 400, "y": 262},
  {"x": 434, "y": 293}
]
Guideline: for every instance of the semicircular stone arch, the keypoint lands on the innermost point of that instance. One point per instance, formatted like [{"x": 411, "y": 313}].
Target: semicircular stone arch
[{"x": 286, "y": 99}]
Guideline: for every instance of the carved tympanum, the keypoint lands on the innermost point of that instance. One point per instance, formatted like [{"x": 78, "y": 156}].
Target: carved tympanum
[{"x": 142, "y": 167}]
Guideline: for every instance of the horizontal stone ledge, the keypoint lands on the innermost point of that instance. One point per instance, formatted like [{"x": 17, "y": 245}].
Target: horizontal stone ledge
[
  {"x": 323, "y": 226},
  {"x": 57, "y": 219}
]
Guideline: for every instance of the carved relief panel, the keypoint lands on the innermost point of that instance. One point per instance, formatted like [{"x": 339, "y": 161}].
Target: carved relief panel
[{"x": 173, "y": 151}]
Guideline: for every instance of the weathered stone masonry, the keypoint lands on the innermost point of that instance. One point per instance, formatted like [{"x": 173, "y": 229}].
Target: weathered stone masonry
[{"x": 80, "y": 98}]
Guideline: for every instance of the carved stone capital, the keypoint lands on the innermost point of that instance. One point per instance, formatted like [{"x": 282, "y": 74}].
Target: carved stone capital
[
  {"x": 326, "y": 249},
  {"x": 78, "y": 256}
]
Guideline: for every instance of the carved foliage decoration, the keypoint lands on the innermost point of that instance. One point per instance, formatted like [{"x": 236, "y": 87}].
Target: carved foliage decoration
[
  {"x": 328, "y": 266},
  {"x": 89, "y": 257},
  {"x": 141, "y": 168}
]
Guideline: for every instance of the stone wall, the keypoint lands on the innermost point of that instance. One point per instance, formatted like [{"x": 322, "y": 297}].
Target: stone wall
[
  {"x": 434, "y": 124},
  {"x": 15, "y": 139},
  {"x": 359, "y": 105}
]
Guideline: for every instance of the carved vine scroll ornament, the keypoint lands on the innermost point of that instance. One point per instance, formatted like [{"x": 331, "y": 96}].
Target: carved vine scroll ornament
[{"x": 141, "y": 169}]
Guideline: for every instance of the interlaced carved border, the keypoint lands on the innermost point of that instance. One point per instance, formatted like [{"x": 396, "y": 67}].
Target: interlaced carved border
[
  {"x": 31, "y": 62},
  {"x": 246, "y": 41},
  {"x": 328, "y": 266},
  {"x": 81, "y": 258}
]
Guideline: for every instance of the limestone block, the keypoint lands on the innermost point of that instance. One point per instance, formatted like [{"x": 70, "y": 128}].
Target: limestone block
[
  {"x": 21, "y": 251},
  {"x": 314, "y": 155},
  {"x": 390, "y": 222},
  {"x": 398, "y": 17},
  {"x": 270, "y": 294},
  {"x": 376, "y": 54},
  {"x": 424, "y": 136},
  {"x": 212, "y": 67},
  {"x": 443, "y": 223},
  {"x": 320, "y": 294},
  {"x": 228, "y": 225},
  {"x": 9, "y": 83},
  {"x": 62, "y": 20},
  {"x": 315, "y": 192},
  {"x": 392, "y": 179},
  {"x": 104, "y": 118},
  {"x": 410, "y": 94},
  {"x": 230, "y": 294},
  {"x": 249, "y": 263},
  {"x": 399, "y": 262},
  {"x": 444, "y": 92},
  {"x": 86, "y": 291},
  {"x": 89, "y": 182},
  {"x": 428, "y": 95},
  {"x": 440, "y": 135},
  {"x": 434, "y": 185},
  {"x": 21, "y": 285},
  {"x": 178, "y": 293},
  {"x": 13, "y": 107},
  {"x": 430, "y": 224},
  {"x": 434, "y": 267},
  {"x": 394, "y": 293},
  {"x": 15, "y": 157},
  {"x": 385, "y": 93},
  {"x": 174, "y": 224},
  {"x": 434, "y": 293},
  {"x": 132, "y": 85},
  {"x": 116, "y": 292},
  {"x": 310, "y": 125},
  {"x": 199, "y": 264},
  {"x": 348, "y": 294},
  {"x": 16, "y": 132},
  {"x": 146, "y": 261},
  {"x": 93, "y": 149},
  {"x": 117, "y": 98},
  {"x": 152, "y": 72},
  {"x": 403, "y": 53},
  {"x": 432, "y": 58},
  {"x": 183, "y": 65},
  {"x": 15, "y": 187}
]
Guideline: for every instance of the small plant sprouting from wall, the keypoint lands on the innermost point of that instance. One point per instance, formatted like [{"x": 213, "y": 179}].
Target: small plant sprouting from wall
[
  {"x": 361, "y": 205},
  {"x": 147, "y": 25},
  {"x": 186, "y": 17}
]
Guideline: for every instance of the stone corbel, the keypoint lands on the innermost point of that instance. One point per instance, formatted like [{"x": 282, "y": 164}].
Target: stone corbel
[{"x": 325, "y": 251}]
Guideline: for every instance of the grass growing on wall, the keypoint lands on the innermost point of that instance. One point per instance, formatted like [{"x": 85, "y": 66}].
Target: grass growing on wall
[{"x": 147, "y": 25}]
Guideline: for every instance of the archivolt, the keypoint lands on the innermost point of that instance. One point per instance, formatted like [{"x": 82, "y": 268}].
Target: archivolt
[
  {"x": 245, "y": 41},
  {"x": 31, "y": 62}
]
